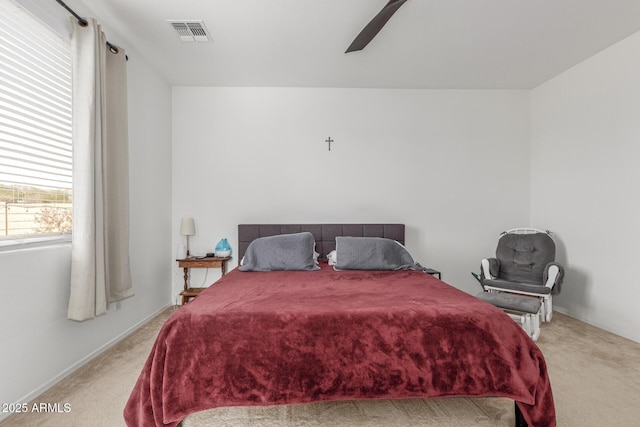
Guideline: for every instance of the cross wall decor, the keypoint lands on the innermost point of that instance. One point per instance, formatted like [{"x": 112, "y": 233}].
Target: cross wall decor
[{"x": 329, "y": 141}]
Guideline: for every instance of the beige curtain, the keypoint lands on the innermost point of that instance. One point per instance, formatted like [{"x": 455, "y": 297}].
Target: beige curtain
[{"x": 100, "y": 272}]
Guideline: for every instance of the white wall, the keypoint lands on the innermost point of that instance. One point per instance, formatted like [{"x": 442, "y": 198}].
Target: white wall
[
  {"x": 424, "y": 158},
  {"x": 39, "y": 345},
  {"x": 585, "y": 150}
]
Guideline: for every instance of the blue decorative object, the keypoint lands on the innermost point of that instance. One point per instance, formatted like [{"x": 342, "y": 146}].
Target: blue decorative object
[{"x": 222, "y": 248}]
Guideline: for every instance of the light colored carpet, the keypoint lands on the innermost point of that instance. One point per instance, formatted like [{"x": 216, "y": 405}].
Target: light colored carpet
[
  {"x": 485, "y": 412},
  {"x": 595, "y": 377}
]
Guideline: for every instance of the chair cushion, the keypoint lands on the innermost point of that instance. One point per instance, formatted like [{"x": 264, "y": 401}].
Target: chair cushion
[
  {"x": 513, "y": 302},
  {"x": 523, "y": 257},
  {"x": 517, "y": 286}
]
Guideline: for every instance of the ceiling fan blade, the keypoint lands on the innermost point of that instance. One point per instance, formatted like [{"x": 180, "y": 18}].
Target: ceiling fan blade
[{"x": 372, "y": 28}]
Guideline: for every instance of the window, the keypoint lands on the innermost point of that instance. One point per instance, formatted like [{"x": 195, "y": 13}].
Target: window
[{"x": 35, "y": 128}]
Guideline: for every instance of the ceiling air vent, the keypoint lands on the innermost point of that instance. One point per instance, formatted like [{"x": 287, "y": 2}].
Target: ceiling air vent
[{"x": 190, "y": 31}]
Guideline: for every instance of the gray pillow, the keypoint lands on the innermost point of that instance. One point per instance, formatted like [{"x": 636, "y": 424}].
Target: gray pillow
[
  {"x": 281, "y": 252},
  {"x": 372, "y": 253}
]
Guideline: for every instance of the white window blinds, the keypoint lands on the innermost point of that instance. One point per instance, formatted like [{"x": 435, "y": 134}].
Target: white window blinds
[{"x": 35, "y": 126}]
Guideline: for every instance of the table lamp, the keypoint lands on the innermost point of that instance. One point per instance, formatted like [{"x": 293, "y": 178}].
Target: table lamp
[{"x": 187, "y": 228}]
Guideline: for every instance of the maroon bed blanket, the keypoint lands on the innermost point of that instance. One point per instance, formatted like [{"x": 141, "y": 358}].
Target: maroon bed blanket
[{"x": 291, "y": 337}]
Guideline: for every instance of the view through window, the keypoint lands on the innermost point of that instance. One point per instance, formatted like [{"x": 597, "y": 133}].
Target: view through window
[{"x": 35, "y": 127}]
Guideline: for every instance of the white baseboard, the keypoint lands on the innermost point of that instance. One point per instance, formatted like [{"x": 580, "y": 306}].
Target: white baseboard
[{"x": 32, "y": 395}]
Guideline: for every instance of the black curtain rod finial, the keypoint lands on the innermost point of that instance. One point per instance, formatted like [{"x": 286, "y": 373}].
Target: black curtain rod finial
[{"x": 83, "y": 23}]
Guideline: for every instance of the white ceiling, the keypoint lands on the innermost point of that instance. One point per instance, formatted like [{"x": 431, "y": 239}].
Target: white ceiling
[{"x": 460, "y": 44}]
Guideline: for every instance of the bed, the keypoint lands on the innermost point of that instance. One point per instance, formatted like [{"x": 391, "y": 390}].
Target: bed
[{"x": 258, "y": 338}]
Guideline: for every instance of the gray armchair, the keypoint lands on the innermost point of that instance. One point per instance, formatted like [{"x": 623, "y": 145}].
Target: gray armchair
[{"x": 524, "y": 264}]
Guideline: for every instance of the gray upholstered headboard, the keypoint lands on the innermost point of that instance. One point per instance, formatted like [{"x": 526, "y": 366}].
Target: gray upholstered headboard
[{"x": 324, "y": 234}]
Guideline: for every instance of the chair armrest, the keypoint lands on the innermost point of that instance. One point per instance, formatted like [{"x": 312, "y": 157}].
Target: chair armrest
[
  {"x": 552, "y": 276},
  {"x": 489, "y": 268}
]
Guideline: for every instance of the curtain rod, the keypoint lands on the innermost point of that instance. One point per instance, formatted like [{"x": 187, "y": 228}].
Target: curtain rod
[{"x": 83, "y": 23}]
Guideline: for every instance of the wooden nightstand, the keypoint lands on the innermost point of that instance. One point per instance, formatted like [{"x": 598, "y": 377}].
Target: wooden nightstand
[
  {"x": 208, "y": 262},
  {"x": 433, "y": 272}
]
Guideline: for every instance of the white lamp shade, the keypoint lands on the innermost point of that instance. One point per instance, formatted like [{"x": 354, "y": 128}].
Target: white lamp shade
[{"x": 187, "y": 227}]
